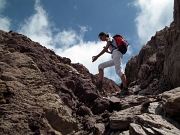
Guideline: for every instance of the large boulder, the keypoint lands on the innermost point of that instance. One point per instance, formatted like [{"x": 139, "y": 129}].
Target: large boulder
[{"x": 171, "y": 103}]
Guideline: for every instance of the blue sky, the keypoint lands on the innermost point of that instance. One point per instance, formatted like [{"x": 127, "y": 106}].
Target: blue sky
[{"x": 71, "y": 27}]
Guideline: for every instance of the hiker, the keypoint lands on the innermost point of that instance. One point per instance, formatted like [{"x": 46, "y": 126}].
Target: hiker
[{"x": 116, "y": 61}]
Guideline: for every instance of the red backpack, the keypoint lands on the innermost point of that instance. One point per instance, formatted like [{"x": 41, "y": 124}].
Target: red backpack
[{"x": 122, "y": 44}]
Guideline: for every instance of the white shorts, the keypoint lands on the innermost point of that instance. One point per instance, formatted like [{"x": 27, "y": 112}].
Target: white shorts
[{"x": 116, "y": 61}]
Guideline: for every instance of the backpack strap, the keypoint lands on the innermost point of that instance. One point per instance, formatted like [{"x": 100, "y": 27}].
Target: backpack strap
[{"x": 113, "y": 46}]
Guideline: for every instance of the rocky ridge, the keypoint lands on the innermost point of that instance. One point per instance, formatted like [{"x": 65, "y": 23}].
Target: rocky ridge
[
  {"x": 157, "y": 64},
  {"x": 42, "y": 93}
]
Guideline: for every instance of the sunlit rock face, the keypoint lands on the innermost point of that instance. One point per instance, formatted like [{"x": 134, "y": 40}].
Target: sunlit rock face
[{"x": 156, "y": 68}]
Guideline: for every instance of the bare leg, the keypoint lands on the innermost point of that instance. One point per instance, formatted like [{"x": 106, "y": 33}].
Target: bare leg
[
  {"x": 102, "y": 66},
  {"x": 124, "y": 81},
  {"x": 99, "y": 84},
  {"x": 101, "y": 74}
]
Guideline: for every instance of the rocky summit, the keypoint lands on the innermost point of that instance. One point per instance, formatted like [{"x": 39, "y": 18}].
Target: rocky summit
[{"x": 42, "y": 93}]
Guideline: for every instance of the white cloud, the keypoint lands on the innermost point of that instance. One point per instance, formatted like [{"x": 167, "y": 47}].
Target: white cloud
[
  {"x": 38, "y": 27},
  {"x": 66, "y": 39},
  {"x": 4, "y": 21},
  {"x": 154, "y": 15},
  {"x": 66, "y": 43},
  {"x": 83, "y": 53}
]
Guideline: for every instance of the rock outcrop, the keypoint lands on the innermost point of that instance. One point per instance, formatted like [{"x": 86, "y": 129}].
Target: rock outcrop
[
  {"x": 158, "y": 61},
  {"x": 42, "y": 93},
  {"x": 177, "y": 12}
]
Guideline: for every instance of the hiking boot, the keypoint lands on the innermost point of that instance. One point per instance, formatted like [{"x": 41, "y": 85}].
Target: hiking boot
[
  {"x": 124, "y": 91},
  {"x": 99, "y": 85},
  {"x": 121, "y": 86}
]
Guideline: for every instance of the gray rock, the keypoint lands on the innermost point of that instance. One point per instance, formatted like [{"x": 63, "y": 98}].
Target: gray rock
[{"x": 154, "y": 124}]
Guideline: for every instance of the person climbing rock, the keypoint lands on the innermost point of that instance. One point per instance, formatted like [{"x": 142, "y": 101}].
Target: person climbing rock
[{"x": 116, "y": 61}]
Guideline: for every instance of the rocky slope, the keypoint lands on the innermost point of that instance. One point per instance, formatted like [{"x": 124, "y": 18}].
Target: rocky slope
[
  {"x": 42, "y": 93},
  {"x": 41, "y": 90}
]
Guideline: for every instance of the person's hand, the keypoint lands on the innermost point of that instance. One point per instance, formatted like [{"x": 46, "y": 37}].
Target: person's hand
[{"x": 94, "y": 58}]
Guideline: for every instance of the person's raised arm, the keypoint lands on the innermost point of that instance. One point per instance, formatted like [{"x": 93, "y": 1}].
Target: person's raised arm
[{"x": 105, "y": 49}]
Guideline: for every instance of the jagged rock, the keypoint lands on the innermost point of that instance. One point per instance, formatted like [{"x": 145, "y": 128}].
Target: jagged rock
[
  {"x": 156, "y": 67},
  {"x": 153, "y": 124},
  {"x": 132, "y": 100},
  {"x": 136, "y": 129},
  {"x": 89, "y": 123},
  {"x": 177, "y": 12},
  {"x": 83, "y": 110},
  {"x": 60, "y": 121},
  {"x": 155, "y": 108},
  {"x": 100, "y": 105},
  {"x": 172, "y": 48},
  {"x": 145, "y": 69},
  {"x": 121, "y": 120},
  {"x": 124, "y": 133},
  {"x": 99, "y": 129},
  {"x": 171, "y": 102}
]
